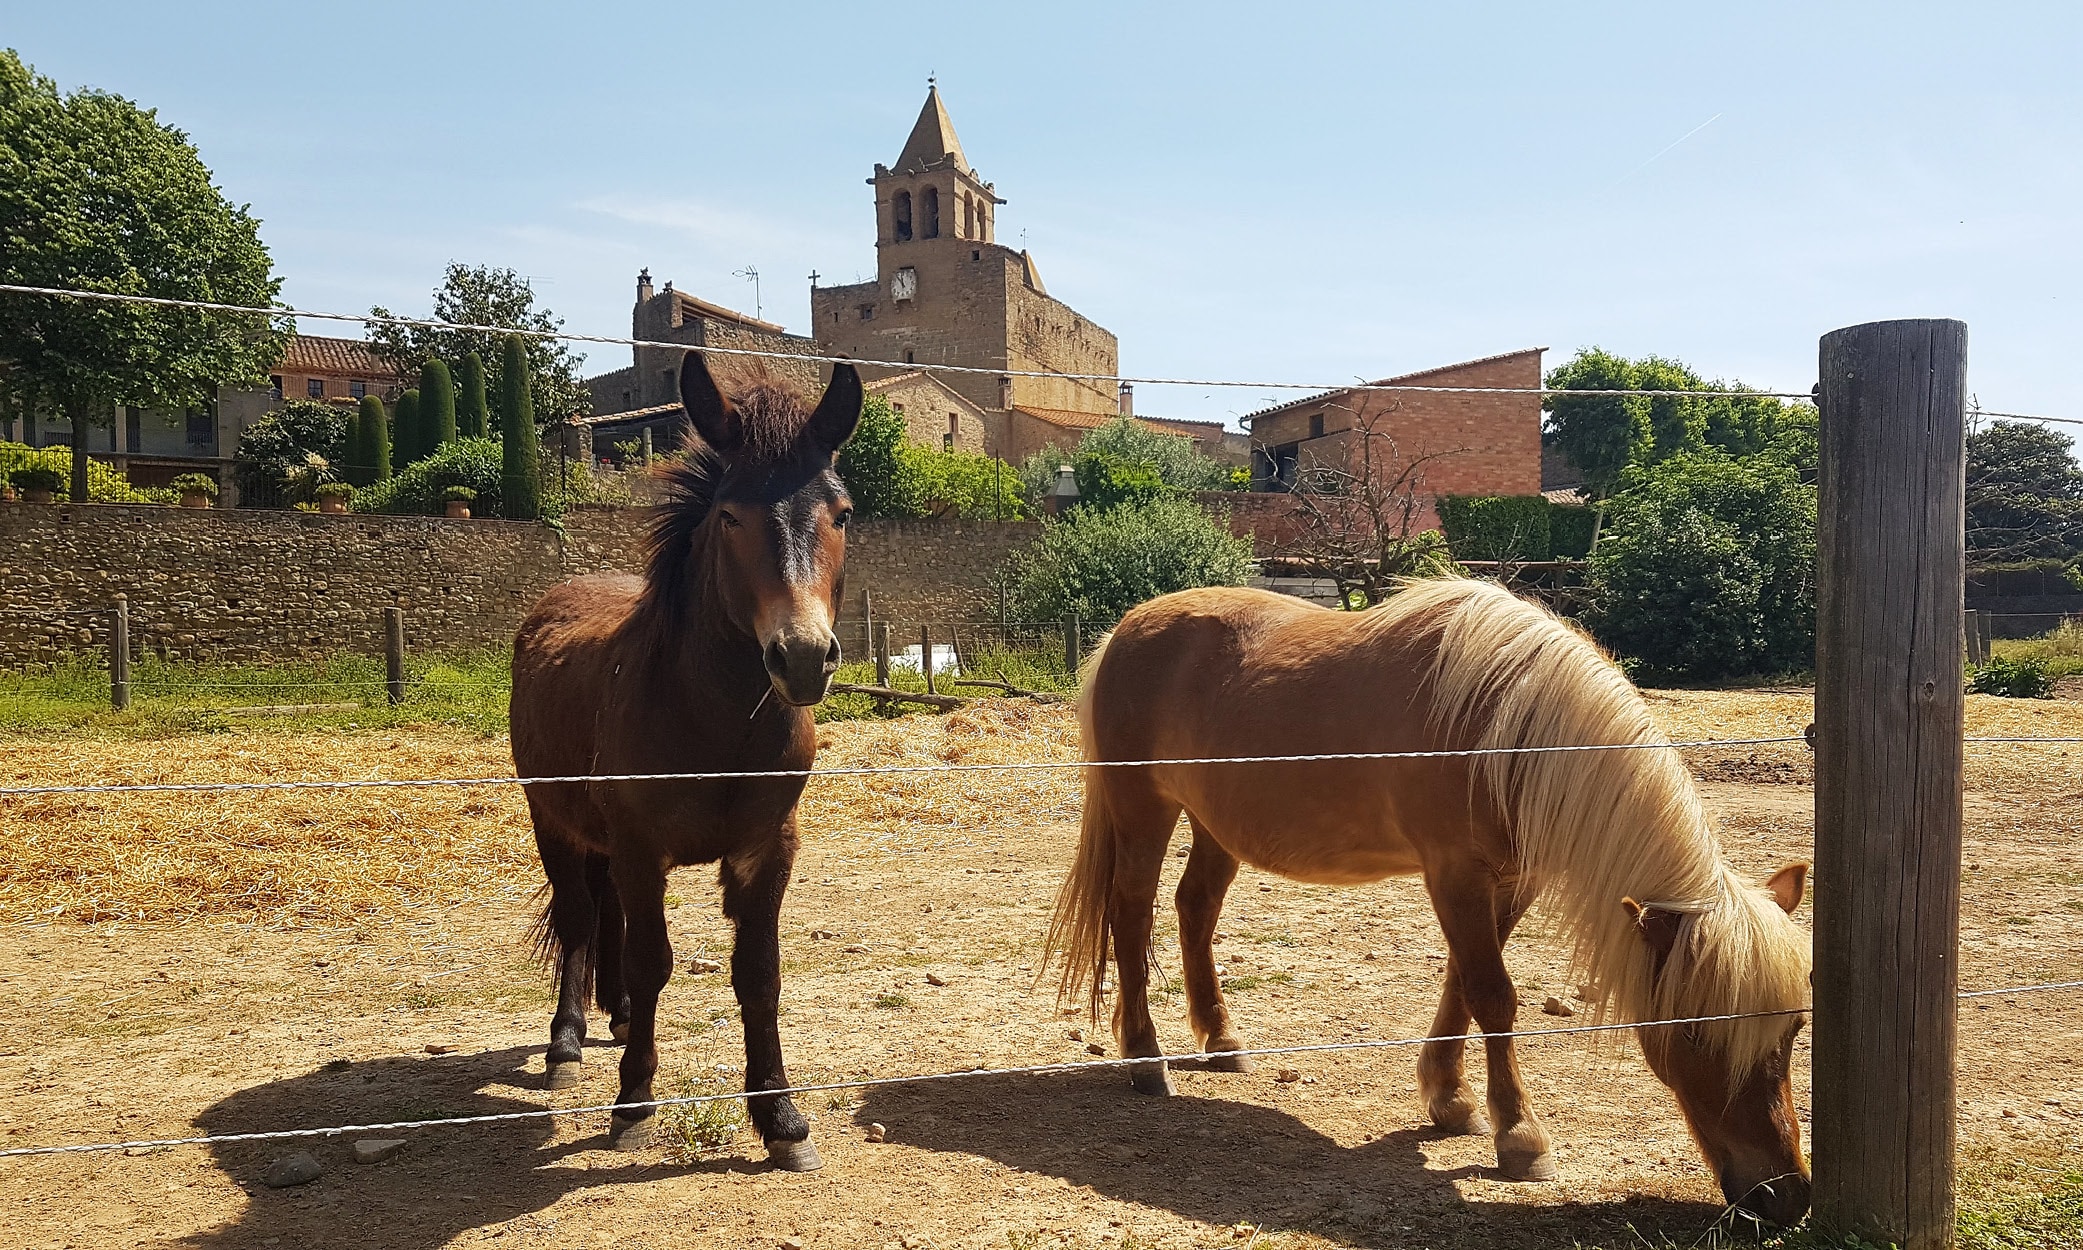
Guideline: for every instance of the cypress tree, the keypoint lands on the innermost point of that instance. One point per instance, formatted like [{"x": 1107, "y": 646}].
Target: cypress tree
[
  {"x": 364, "y": 437},
  {"x": 473, "y": 419},
  {"x": 405, "y": 440},
  {"x": 437, "y": 406},
  {"x": 376, "y": 439},
  {"x": 520, "y": 479}
]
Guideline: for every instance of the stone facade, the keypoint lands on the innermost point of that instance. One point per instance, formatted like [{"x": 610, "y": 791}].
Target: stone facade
[
  {"x": 653, "y": 377},
  {"x": 933, "y": 410},
  {"x": 249, "y": 586}
]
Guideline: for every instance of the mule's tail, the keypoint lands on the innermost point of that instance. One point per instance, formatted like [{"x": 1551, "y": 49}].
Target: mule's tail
[
  {"x": 1079, "y": 931},
  {"x": 547, "y": 949}
]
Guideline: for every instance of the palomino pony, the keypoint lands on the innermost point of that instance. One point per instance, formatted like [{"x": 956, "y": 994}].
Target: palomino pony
[
  {"x": 1614, "y": 841},
  {"x": 710, "y": 662}
]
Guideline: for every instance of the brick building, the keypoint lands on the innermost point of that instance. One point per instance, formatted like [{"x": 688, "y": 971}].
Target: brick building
[
  {"x": 947, "y": 293},
  {"x": 1485, "y": 444}
]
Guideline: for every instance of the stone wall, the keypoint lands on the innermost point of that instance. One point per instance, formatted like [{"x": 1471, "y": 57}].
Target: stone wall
[{"x": 257, "y": 585}]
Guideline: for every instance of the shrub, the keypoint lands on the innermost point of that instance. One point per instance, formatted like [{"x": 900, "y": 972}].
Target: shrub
[
  {"x": 520, "y": 447},
  {"x": 195, "y": 484},
  {"x": 473, "y": 415},
  {"x": 1496, "y": 527},
  {"x": 873, "y": 465},
  {"x": 1707, "y": 569},
  {"x": 38, "y": 477},
  {"x": 458, "y": 494},
  {"x": 2020, "y": 677},
  {"x": 437, "y": 405},
  {"x": 976, "y": 487},
  {"x": 1130, "y": 463},
  {"x": 416, "y": 490},
  {"x": 282, "y": 442},
  {"x": 104, "y": 484},
  {"x": 1571, "y": 527},
  {"x": 1098, "y": 563}
]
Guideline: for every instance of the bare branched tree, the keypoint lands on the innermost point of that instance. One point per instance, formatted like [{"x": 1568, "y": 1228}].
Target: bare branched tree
[{"x": 1355, "y": 519}]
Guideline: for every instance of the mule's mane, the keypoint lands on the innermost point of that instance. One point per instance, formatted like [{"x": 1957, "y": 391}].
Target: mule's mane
[
  {"x": 771, "y": 415},
  {"x": 1594, "y": 827}
]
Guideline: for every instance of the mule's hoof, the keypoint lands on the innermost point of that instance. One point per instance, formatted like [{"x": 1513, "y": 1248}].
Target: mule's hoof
[
  {"x": 631, "y": 1134},
  {"x": 620, "y": 1032},
  {"x": 1527, "y": 1165},
  {"x": 563, "y": 1075},
  {"x": 1227, "y": 1062},
  {"x": 1151, "y": 1079},
  {"x": 794, "y": 1156}
]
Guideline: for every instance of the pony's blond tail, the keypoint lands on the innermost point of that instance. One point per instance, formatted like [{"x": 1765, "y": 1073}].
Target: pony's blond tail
[{"x": 1079, "y": 930}]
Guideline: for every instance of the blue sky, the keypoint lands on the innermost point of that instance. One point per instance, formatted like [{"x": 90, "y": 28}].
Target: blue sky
[{"x": 1298, "y": 192}]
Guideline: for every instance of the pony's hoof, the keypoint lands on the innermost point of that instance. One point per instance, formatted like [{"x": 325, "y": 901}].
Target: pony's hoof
[
  {"x": 631, "y": 1134},
  {"x": 794, "y": 1156},
  {"x": 563, "y": 1075},
  {"x": 1228, "y": 1062},
  {"x": 1461, "y": 1117},
  {"x": 620, "y": 1032},
  {"x": 1527, "y": 1165},
  {"x": 1151, "y": 1079}
]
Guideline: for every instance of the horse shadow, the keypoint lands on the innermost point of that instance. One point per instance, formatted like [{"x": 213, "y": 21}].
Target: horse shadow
[
  {"x": 443, "y": 1182},
  {"x": 1222, "y": 1162}
]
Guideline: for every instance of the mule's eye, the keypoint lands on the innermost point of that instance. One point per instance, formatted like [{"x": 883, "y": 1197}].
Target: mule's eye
[
  {"x": 845, "y": 515},
  {"x": 729, "y": 522}
]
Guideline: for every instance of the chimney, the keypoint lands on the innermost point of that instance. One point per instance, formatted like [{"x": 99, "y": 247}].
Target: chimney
[
  {"x": 1005, "y": 392},
  {"x": 643, "y": 285},
  {"x": 1127, "y": 405}
]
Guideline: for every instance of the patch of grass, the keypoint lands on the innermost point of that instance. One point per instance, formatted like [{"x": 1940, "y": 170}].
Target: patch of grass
[
  {"x": 1234, "y": 985},
  {"x": 1282, "y": 938},
  {"x": 687, "y": 1129},
  {"x": 2061, "y": 650},
  {"x": 894, "y": 1002}
]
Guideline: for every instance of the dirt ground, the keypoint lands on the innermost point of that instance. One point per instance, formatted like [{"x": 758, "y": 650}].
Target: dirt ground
[{"x": 265, "y": 969}]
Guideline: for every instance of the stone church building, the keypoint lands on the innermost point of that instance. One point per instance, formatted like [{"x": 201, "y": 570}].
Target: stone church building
[{"x": 945, "y": 293}]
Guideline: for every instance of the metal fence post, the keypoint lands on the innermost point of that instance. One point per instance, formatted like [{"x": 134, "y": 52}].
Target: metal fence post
[
  {"x": 394, "y": 654},
  {"x": 1889, "y": 711},
  {"x": 926, "y": 656},
  {"x": 119, "y": 656}
]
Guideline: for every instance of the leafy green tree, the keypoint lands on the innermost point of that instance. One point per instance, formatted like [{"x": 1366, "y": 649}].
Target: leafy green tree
[
  {"x": 1121, "y": 461},
  {"x": 1107, "y": 482},
  {"x": 97, "y": 194},
  {"x": 1601, "y": 434},
  {"x": 1676, "y": 425},
  {"x": 520, "y": 479},
  {"x": 473, "y": 416},
  {"x": 1098, "y": 563},
  {"x": 501, "y": 299},
  {"x": 2024, "y": 494},
  {"x": 369, "y": 450},
  {"x": 874, "y": 467},
  {"x": 978, "y": 488},
  {"x": 408, "y": 444},
  {"x": 437, "y": 405},
  {"x": 282, "y": 443},
  {"x": 1707, "y": 569}
]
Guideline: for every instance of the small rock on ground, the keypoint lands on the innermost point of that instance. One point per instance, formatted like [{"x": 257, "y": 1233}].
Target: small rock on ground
[
  {"x": 934, "y": 978},
  {"x": 295, "y": 1169},
  {"x": 699, "y": 966},
  {"x": 876, "y": 1132},
  {"x": 1094, "y": 1048},
  {"x": 1556, "y": 1007},
  {"x": 791, "y": 1243},
  {"x": 442, "y": 1048},
  {"x": 1287, "y": 1076},
  {"x": 853, "y": 950},
  {"x": 377, "y": 1149}
]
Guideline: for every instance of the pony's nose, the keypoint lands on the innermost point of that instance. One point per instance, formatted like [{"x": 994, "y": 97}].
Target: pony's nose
[{"x": 1781, "y": 1200}]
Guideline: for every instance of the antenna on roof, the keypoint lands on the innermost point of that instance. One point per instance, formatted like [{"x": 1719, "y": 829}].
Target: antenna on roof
[{"x": 751, "y": 274}]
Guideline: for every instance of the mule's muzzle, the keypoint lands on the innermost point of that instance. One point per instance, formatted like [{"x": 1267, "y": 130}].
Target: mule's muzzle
[
  {"x": 1780, "y": 1200},
  {"x": 801, "y": 665}
]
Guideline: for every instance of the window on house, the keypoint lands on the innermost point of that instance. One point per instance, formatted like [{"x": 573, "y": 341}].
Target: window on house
[
  {"x": 314, "y": 387},
  {"x": 1316, "y": 425},
  {"x": 357, "y": 389},
  {"x": 976, "y": 253},
  {"x": 867, "y": 312},
  {"x": 202, "y": 431},
  {"x": 910, "y": 357},
  {"x": 900, "y": 216},
  {"x": 133, "y": 431},
  {"x": 275, "y": 386},
  {"x": 929, "y": 213}
]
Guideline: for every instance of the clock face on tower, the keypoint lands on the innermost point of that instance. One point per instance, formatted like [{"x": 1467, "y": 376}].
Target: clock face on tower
[{"x": 904, "y": 284}]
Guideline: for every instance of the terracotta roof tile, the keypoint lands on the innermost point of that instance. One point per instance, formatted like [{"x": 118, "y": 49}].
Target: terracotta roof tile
[{"x": 316, "y": 353}]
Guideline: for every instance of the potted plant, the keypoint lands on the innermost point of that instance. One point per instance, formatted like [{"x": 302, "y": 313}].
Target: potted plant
[
  {"x": 334, "y": 496},
  {"x": 456, "y": 501},
  {"x": 196, "y": 489},
  {"x": 37, "y": 483},
  {"x": 7, "y": 494}
]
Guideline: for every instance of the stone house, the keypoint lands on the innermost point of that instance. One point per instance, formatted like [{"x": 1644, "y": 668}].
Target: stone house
[
  {"x": 668, "y": 316},
  {"x": 1485, "y": 444},
  {"x": 935, "y": 414}
]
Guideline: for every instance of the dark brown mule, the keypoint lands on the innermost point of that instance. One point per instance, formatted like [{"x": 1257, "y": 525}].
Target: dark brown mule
[
  {"x": 710, "y": 662},
  {"x": 1615, "y": 843}
]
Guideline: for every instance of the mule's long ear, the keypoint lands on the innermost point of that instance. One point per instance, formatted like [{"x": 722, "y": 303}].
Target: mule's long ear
[
  {"x": 713, "y": 416},
  {"x": 838, "y": 412},
  {"x": 1788, "y": 885},
  {"x": 1658, "y": 927}
]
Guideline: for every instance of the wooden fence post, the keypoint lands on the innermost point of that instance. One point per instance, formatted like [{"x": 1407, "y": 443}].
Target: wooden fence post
[
  {"x": 1073, "y": 644},
  {"x": 1888, "y": 757},
  {"x": 926, "y": 656},
  {"x": 868, "y": 621},
  {"x": 394, "y": 654},
  {"x": 119, "y": 656},
  {"x": 881, "y": 635}
]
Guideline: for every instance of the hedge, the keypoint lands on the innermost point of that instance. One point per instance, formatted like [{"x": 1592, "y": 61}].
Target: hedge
[{"x": 1496, "y": 527}]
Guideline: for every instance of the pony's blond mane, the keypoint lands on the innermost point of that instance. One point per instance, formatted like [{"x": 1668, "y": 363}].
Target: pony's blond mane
[{"x": 1594, "y": 827}]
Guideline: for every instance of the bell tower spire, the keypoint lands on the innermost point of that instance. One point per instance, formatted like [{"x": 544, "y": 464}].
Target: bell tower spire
[{"x": 931, "y": 192}]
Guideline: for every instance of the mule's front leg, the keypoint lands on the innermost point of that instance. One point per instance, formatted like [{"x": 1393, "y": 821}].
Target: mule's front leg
[
  {"x": 647, "y": 964},
  {"x": 752, "y": 890},
  {"x": 1465, "y": 902}
]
